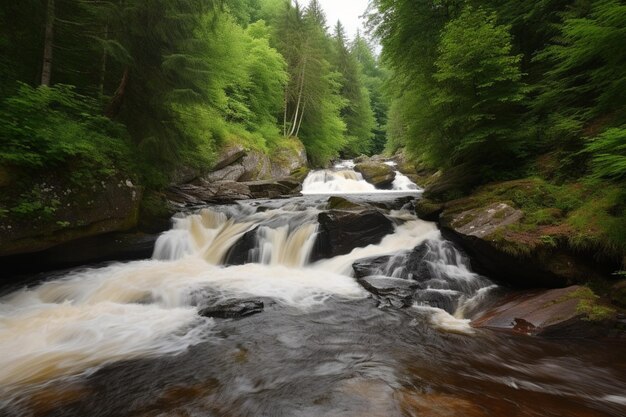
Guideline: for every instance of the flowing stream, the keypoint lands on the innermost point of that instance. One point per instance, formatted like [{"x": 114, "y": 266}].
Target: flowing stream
[{"x": 126, "y": 339}]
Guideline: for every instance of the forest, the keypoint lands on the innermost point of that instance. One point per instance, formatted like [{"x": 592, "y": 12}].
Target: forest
[
  {"x": 94, "y": 89},
  {"x": 479, "y": 91},
  {"x": 363, "y": 208}
]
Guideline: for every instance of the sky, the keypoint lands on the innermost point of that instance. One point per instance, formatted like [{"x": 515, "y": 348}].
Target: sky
[{"x": 348, "y": 11}]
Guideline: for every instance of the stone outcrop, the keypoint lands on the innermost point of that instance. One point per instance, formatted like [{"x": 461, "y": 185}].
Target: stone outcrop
[
  {"x": 75, "y": 213},
  {"x": 235, "y": 163},
  {"x": 83, "y": 251},
  {"x": 226, "y": 192},
  {"x": 376, "y": 173},
  {"x": 233, "y": 310},
  {"x": 396, "y": 292},
  {"x": 565, "y": 312},
  {"x": 342, "y": 231},
  {"x": 508, "y": 256}
]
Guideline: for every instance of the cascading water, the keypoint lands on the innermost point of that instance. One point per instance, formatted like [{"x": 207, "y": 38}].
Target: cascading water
[
  {"x": 324, "y": 343},
  {"x": 342, "y": 179}
]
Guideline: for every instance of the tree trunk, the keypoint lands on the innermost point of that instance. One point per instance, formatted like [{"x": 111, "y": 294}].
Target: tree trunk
[
  {"x": 301, "y": 118},
  {"x": 294, "y": 126},
  {"x": 103, "y": 67},
  {"x": 46, "y": 69},
  {"x": 115, "y": 105}
]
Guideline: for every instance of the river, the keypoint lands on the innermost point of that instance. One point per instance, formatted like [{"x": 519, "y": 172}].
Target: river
[{"x": 126, "y": 339}]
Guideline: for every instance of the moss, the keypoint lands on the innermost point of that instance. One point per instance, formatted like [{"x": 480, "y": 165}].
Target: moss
[
  {"x": 584, "y": 216},
  {"x": 593, "y": 311},
  {"x": 340, "y": 203},
  {"x": 300, "y": 174},
  {"x": 588, "y": 305}
]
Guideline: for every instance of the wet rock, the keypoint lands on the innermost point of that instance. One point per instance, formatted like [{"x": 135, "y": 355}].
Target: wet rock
[
  {"x": 244, "y": 250},
  {"x": 341, "y": 203},
  {"x": 229, "y": 155},
  {"x": 428, "y": 210},
  {"x": 398, "y": 292},
  {"x": 444, "y": 300},
  {"x": 479, "y": 231},
  {"x": 204, "y": 192},
  {"x": 565, "y": 312},
  {"x": 376, "y": 265},
  {"x": 79, "y": 212},
  {"x": 90, "y": 250},
  {"x": 376, "y": 173},
  {"x": 408, "y": 265},
  {"x": 233, "y": 310},
  {"x": 342, "y": 231},
  {"x": 270, "y": 189}
]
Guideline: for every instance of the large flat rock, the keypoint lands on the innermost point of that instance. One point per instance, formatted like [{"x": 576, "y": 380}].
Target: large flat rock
[{"x": 563, "y": 312}]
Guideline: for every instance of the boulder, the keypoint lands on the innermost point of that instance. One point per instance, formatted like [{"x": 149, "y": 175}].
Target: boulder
[
  {"x": 394, "y": 291},
  {"x": 220, "y": 192},
  {"x": 300, "y": 174},
  {"x": 564, "y": 312},
  {"x": 376, "y": 173},
  {"x": 342, "y": 231},
  {"x": 287, "y": 159},
  {"x": 341, "y": 203},
  {"x": 270, "y": 189},
  {"x": 229, "y": 155},
  {"x": 406, "y": 265},
  {"x": 428, "y": 210},
  {"x": 230, "y": 173},
  {"x": 76, "y": 213},
  {"x": 483, "y": 233},
  {"x": 234, "y": 309},
  {"x": 256, "y": 165},
  {"x": 85, "y": 251},
  {"x": 243, "y": 251}
]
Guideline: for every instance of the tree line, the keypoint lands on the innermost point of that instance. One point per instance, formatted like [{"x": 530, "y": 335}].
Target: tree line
[
  {"x": 100, "y": 87},
  {"x": 492, "y": 86}
]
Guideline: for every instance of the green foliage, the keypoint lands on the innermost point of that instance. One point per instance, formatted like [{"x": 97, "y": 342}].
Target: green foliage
[
  {"x": 48, "y": 128},
  {"x": 357, "y": 112},
  {"x": 608, "y": 153}
]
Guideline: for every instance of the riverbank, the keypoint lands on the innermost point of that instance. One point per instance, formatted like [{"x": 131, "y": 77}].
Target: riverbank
[{"x": 532, "y": 234}]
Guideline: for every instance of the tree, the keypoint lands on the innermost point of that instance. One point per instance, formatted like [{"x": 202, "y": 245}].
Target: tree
[
  {"x": 357, "y": 112},
  {"x": 471, "y": 110}
]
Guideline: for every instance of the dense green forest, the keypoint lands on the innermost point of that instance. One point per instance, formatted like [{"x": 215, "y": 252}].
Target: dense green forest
[
  {"x": 142, "y": 87},
  {"x": 503, "y": 90},
  {"x": 481, "y": 91}
]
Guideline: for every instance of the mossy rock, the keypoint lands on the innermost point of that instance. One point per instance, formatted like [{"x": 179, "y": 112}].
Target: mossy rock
[
  {"x": 340, "y": 203},
  {"x": 378, "y": 174},
  {"x": 428, "y": 210},
  {"x": 300, "y": 174}
]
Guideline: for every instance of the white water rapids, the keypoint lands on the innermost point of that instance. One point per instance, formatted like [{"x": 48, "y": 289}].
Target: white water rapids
[
  {"x": 75, "y": 324},
  {"x": 342, "y": 179}
]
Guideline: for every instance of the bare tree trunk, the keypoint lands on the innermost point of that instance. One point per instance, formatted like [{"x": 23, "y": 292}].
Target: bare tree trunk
[
  {"x": 115, "y": 105},
  {"x": 103, "y": 68},
  {"x": 295, "y": 117},
  {"x": 285, "y": 113},
  {"x": 46, "y": 69},
  {"x": 301, "y": 118}
]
